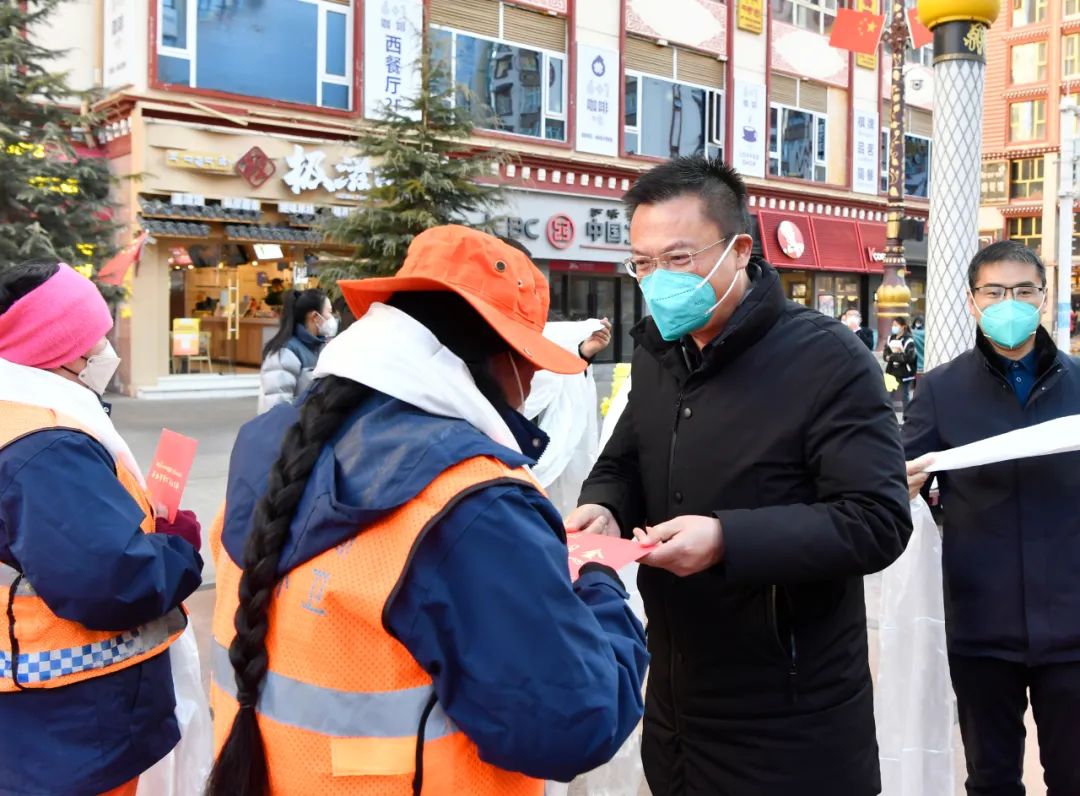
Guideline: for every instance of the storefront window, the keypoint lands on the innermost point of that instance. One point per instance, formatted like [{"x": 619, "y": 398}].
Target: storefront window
[
  {"x": 506, "y": 87},
  {"x": 813, "y": 15},
  {"x": 917, "y": 156},
  {"x": 288, "y": 50},
  {"x": 835, "y": 295},
  {"x": 578, "y": 296},
  {"x": 665, "y": 119},
  {"x": 1027, "y": 231},
  {"x": 1026, "y": 178},
  {"x": 796, "y": 286},
  {"x": 798, "y": 144}
]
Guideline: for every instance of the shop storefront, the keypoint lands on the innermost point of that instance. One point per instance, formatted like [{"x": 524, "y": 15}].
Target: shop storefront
[
  {"x": 231, "y": 220},
  {"x": 580, "y": 244},
  {"x": 824, "y": 263}
]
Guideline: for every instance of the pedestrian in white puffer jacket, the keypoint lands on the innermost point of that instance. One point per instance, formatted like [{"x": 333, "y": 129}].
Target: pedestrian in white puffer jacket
[{"x": 307, "y": 323}]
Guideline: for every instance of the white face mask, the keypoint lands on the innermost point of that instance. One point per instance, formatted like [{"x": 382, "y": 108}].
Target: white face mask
[
  {"x": 99, "y": 370},
  {"x": 328, "y": 327}
]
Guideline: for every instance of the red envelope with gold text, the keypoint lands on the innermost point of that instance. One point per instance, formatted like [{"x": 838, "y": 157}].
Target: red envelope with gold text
[{"x": 607, "y": 550}]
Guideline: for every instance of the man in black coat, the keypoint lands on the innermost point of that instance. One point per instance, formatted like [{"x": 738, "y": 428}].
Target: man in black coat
[
  {"x": 1011, "y": 545},
  {"x": 759, "y": 448}
]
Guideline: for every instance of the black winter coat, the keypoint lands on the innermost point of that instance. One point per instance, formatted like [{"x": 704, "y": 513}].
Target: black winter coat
[
  {"x": 1011, "y": 543},
  {"x": 781, "y": 428},
  {"x": 902, "y": 364}
]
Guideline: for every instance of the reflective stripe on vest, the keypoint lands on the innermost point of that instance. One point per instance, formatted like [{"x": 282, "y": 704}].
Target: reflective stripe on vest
[
  {"x": 35, "y": 668},
  {"x": 343, "y": 714}
]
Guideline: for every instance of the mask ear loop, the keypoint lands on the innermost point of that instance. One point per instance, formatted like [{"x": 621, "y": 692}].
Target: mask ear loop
[
  {"x": 734, "y": 278},
  {"x": 517, "y": 378}
]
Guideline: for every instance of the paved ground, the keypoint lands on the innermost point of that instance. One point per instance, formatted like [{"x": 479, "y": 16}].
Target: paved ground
[{"x": 215, "y": 423}]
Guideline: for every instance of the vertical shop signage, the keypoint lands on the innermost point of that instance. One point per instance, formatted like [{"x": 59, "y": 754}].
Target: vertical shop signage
[
  {"x": 749, "y": 136},
  {"x": 865, "y": 155},
  {"x": 598, "y": 100},
  {"x": 393, "y": 32},
  {"x": 750, "y": 16},
  {"x": 119, "y": 63}
]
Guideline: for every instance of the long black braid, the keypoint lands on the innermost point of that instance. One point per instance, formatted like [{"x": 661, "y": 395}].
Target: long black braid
[{"x": 241, "y": 769}]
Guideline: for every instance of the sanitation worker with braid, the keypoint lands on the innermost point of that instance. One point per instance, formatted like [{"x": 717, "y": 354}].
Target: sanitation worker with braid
[{"x": 394, "y": 610}]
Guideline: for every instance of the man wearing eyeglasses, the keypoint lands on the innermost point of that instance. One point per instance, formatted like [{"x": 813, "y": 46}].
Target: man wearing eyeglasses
[
  {"x": 759, "y": 450},
  {"x": 1011, "y": 541}
]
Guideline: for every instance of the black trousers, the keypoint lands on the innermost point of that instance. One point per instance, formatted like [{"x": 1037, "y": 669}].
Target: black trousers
[{"x": 992, "y": 697}]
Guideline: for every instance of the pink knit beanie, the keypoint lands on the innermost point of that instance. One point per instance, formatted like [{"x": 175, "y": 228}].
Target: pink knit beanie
[{"x": 55, "y": 323}]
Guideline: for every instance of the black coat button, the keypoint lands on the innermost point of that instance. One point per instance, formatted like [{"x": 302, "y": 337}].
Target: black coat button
[
  {"x": 678, "y": 497},
  {"x": 687, "y": 413}
]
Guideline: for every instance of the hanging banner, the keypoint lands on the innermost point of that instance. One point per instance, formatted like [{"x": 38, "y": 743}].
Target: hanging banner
[
  {"x": 393, "y": 37},
  {"x": 865, "y": 154},
  {"x": 748, "y": 115},
  {"x": 598, "y": 100},
  {"x": 119, "y": 62}
]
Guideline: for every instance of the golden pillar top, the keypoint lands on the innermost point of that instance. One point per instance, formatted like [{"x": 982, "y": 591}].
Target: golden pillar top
[{"x": 933, "y": 13}]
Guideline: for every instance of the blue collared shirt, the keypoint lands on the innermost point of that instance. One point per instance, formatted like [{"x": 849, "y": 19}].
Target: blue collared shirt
[{"x": 1021, "y": 375}]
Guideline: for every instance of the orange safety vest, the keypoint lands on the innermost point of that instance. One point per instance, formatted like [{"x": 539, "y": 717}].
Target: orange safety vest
[
  {"x": 344, "y": 702},
  {"x": 54, "y": 652}
]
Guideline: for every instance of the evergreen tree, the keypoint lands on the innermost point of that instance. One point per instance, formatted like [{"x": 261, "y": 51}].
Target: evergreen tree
[
  {"x": 54, "y": 203},
  {"x": 427, "y": 175}
]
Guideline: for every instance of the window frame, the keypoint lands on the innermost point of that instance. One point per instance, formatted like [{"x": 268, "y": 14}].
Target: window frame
[
  {"x": 883, "y": 182},
  {"x": 1074, "y": 39},
  {"x": 823, "y": 163},
  {"x": 1039, "y": 16},
  {"x": 1066, "y": 13},
  {"x": 1042, "y": 49},
  {"x": 1040, "y": 180},
  {"x": 1035, "y": 136},
  {"x": 816, "y": 6},
  {"x": 714, "y": 95},
  {"x": 545, "y": 113},
  {"x": 351, "y": 81},
  {"x": 1022, "y": 238}
]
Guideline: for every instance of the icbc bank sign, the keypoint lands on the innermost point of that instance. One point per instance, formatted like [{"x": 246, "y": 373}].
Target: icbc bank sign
[{"x": 553, "y": 227}]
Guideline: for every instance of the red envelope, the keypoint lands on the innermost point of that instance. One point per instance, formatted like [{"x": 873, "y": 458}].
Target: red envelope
[
  {"x": 607, "y": 550},
  {"x": 169, "y": 472}
]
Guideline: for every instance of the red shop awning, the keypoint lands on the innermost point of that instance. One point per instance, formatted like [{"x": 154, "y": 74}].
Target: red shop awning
[
  {"x": 788, "y": 240},
  {"x": 838, "y": 245},
  {"x": 872, "y": 246}
]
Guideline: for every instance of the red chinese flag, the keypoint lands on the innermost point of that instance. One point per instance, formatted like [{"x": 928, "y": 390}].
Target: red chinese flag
[
  {"x": 169, "y": 473},
  {"x": 920, "y": 34},
  {"x": 114, "y": 271},
  {"x": 857, "y": 31}
]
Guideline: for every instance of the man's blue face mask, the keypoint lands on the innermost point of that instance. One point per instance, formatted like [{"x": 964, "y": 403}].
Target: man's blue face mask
[{"x": 683, "y": 302}]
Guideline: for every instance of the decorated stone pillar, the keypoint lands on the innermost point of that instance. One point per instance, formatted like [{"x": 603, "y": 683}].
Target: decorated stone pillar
[{"x": 959, "y": 28}]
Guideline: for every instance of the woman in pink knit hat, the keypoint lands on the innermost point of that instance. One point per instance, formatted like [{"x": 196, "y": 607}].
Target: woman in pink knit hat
[{"x": 91, "y": 583}]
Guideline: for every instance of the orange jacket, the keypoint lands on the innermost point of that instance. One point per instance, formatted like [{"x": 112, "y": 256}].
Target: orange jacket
[
  {"x": 345, "y": 708},
  {"x": 51, "y": 651}
]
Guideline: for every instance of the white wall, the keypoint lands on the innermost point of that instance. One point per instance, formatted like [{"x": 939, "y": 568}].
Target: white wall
[{"x": 74, "y": 28}]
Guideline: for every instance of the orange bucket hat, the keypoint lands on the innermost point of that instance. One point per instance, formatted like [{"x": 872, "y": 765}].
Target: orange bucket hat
[{"x": 500, "y": 283}]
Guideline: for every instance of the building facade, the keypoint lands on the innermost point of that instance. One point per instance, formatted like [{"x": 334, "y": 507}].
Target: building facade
[
  {"x": 1033, "y": 62},
  {"x": 231, "y": 120}
]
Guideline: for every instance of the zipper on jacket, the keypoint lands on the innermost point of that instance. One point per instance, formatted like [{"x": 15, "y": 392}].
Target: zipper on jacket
[{"x": 792, "y": 651}]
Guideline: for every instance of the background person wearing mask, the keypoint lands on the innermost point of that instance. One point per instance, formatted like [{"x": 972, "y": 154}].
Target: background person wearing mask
[
  {"x": 1011, "y": 540},
  {"x": 853, "y": 320},
  {"x": 759, "y": 449},
  {"x": 307, "y": 322},
  {"x": 417, "y": 632},
  {"x": 90, "y": 592},
  {"x": 918, "y": 335},
  {"x": 900, "y": 359}
]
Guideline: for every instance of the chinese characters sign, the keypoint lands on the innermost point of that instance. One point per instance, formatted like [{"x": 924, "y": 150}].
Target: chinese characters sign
[
  {"x": 350, "y": 178},
  {"x": 120, "y": 30},
  {"x": 865, "y": 154},
  {"x": 750, "y": 15},
  {"x": 748, "y": 118},
  {"x": 199, "y": 161},
  {"x": 393, "y": 30},
  {"x": 598, "y": 100},
  {"x": 992, "y": 181}
]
